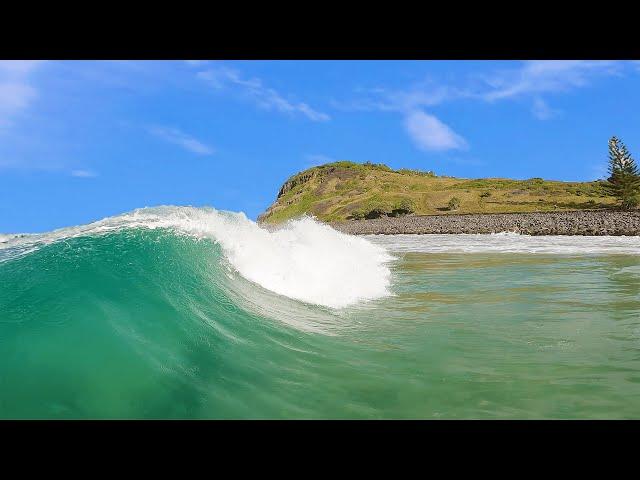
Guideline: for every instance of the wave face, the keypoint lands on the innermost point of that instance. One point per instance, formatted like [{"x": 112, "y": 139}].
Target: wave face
[
  {"x": 145, "y": 314},
  {"x": 196, "y": 313},
  {"x": 305, "y": 260}
]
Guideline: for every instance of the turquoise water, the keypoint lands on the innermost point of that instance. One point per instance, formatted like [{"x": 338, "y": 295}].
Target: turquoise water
[{"x": 136, "y": 322}]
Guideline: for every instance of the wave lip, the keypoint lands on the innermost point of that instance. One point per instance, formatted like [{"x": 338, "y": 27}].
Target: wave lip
[
  {"x": 303, "y": 260},
  {"x": 308, "y": 261}
]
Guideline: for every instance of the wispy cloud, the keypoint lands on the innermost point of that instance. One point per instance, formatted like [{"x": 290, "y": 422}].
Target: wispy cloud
[
  {"x": 541, "y": 110},
  {"x": 15, "y": 96},
  {"x": 545, "y": 76},
  {"x": 429, "y": 133},
  {"x": 19, "y": 67},
  {"x": 83, "y": 173},
  {"x": 196, "y": 63},
  {"x": 177, "y": 137},
  {"x": 424, "y": 94},
  {"x": 531, "y": 79},
  {"x": 426, "y": 131},
  {"x": 16, "y": 89},
  {"x": 222, "y": 77}
]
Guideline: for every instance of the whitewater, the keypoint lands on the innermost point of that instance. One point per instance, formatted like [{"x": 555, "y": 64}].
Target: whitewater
[
  {"x": 305, "y": 260},
  {"x": 309, "y": 261},
  {"x": 183, "y": 312}
]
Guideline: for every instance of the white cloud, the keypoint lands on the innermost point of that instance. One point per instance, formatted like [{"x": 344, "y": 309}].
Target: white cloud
[
  {"x": 177, "y": 137},
  {"x": 83, "y": 173},
  {"x": 429, "y": 133},
  {"x": 537, "y": 77},
  {"x": 544, "y": 76},
  {"x": 423, "y": 94},
  {"x": 15, "y": 96},
  {"x": 18, "y": 67},
  {"x": 541, "y": 110},
  {"x": 530, "y": 79},
  {"x": 221, "y": 77},
  {"x": 196, "y": 63},
  {"x": 16, "y": 90}
]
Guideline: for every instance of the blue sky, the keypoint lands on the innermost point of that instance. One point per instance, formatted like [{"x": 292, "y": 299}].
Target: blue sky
[{"x": 80, "y": 141}]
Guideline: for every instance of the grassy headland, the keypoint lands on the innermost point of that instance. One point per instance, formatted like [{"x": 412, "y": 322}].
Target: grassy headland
[{"x": 347, "y": 190}]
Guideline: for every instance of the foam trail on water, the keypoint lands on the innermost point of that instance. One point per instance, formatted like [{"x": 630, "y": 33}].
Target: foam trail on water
[
  {"x": 304, "y": 260},
  {"x": 510, "y": 243}
]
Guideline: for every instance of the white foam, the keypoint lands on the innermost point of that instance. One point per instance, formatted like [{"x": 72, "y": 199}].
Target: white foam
[
  {"x": 305, "y": 260},
  {"x": 509, "y": 243}
]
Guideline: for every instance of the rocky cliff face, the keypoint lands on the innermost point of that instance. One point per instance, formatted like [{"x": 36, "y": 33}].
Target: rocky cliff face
[
  {"x": 298, "y": 180},
  {"x": 295, "y": 181}
]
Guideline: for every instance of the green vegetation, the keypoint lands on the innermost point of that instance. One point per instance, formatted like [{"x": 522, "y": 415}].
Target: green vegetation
[
  {"x": 347, "y": 190},
  {"x": 377, "y": 209},
  {"x": 624, "y": 179},
  {"x": 454, "y": 203}
]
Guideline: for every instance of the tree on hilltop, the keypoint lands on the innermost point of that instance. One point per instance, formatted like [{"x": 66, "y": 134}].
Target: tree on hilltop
[{"x": 624, "y": 177}]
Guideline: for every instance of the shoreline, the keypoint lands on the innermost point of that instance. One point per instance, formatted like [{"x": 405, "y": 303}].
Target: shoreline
[{"x": 582, "y": 222}]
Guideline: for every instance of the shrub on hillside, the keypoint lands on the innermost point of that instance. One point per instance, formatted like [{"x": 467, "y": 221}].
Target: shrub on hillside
[
  {"x": 535, "y": 181},
  {"x": 378, "y": 209},
  {"x": 357, "y": 214},
  {"x": 378, "y": 166},
  {"x": 374, "y": 209},
  {"x": 454, "y": 203},
  {"x": 405, "y": 206},
  {"x": 408, "y": 171}
]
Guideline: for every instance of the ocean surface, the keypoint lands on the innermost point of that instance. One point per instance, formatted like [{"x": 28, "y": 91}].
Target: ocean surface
[{"x": 180, "y": 312}]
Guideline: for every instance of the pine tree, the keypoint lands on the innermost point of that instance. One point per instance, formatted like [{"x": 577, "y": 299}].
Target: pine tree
[{"x": 624, "y": 177}]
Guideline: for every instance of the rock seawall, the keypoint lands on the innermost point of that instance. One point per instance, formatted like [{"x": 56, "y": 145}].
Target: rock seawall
[{"x": 590, "y": 222}]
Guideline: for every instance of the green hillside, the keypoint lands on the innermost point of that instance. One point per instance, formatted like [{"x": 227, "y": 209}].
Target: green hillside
[{"x": 347, "y": 190}]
